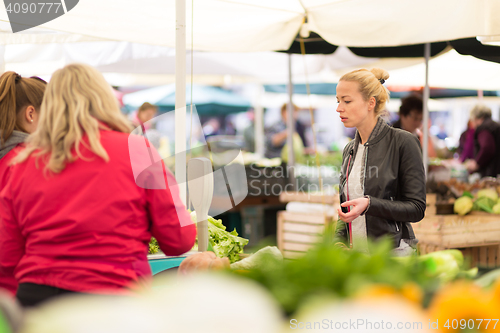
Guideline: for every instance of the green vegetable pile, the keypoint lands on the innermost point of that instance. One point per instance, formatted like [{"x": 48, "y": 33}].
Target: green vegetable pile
[
  {"x": 153, "y": 246},
  {"x": 330, "y": 270},
  {"x": 486, "y": 200},
  {"x": 223, "y": 243}
]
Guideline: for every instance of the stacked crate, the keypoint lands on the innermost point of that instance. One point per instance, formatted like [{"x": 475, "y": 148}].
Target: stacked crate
[
  {"x": 297, "y": 232},
  {"x": 476, "y": 234}
]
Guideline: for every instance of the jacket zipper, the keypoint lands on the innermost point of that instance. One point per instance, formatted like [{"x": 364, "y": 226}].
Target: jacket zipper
[{"x": 395, "y": 223}]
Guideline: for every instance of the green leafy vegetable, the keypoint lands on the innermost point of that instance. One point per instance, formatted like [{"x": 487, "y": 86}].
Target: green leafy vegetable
[
  {"x": 153, "y": 246},
  {"x": 261, "y": 257},
  {"x": 223, "y": 243},
  {"x": 488, "y": 193},
  {"x": 328, "y": 269},
  {"x": 486, "y": 204}
]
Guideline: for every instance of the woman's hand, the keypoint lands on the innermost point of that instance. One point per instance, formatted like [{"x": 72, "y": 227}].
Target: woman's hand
[
  {"x": 202, "y": 261},
  {"x": 358, "y": 207},
  {"x": 471, "y": 166}
]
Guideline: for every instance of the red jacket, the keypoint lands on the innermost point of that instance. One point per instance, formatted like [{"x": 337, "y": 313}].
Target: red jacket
[
  {"x": 87, "y": 228},
  {"x": 7, "y": 282}
]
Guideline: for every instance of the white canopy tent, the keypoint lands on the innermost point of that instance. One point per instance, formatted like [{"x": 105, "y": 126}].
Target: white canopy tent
[
  {"x": 264, "y": 25},
  {"x": 261, "y": 25}
]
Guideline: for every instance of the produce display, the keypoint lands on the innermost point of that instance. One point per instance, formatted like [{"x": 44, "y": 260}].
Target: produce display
[
  {"x": 223, "y": 243},
  {"x": 331, "y": 270},
  {"x": 486, "y": 200}
]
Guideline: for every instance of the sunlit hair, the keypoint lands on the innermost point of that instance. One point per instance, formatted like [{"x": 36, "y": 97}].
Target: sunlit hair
[
  {"x": 78, "y": 101},
  {"x": 480, "y": 111},
  {"x": 370, "y": 85},
  {"x": 17, "y": 93}
]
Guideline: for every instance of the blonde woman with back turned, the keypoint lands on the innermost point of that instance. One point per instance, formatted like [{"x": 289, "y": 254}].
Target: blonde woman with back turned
[
  {"x": 73, "y": 217},
  {"x": 382, "y": 181}
]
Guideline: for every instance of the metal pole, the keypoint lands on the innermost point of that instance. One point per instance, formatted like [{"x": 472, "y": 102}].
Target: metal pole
[
  {"x": 290, "y": 125},
  {"x": 425, "y": 150},
  {"x": 259, "y": 123},
  {"x": 180, "y": 97}
]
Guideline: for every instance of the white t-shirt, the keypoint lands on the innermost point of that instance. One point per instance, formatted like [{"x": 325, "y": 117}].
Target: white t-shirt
[{"x": 355, "y": 191}]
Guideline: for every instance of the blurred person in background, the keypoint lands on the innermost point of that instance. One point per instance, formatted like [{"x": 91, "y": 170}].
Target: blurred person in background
[
  {"x": 74, "y": 215},
  {"x": 212, "y": 127},
  {"x": 466, "y": 143},
  {"x": 410, "y": 114},
  {"x": 486, "y": 159},
  {"x": 20, "y": 101},
  {"x": 145, "y": 113},
  {"x": 249, "y": 132},
  {"x": 276, "y": 134},
  {"x": 382, "y": 179},
  {"x": 410, "y": 119}
]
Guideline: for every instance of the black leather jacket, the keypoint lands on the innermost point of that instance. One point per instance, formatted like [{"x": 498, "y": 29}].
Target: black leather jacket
[{"x": 394, "y": 179}]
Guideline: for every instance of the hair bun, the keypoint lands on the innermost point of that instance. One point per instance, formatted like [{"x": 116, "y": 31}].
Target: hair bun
[{"x": 381, "y": 74}]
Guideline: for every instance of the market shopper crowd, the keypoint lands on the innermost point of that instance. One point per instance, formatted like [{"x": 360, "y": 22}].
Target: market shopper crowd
[{"x": 73, "y": 217}]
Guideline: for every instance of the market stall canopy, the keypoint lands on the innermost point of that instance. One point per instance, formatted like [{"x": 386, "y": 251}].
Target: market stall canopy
[
  {"x": 451, "y": 70},
  {"x": 263, "y": 25},
  {"x": 208, "y": 100}
]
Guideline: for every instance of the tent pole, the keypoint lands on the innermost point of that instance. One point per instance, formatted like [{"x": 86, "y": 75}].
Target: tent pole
[
  {"x": 425, "y": 150},
  {"x": 180, "y": 98},
  {"x": 259, "y": 123},
  {"x": 290, "y": 127}
]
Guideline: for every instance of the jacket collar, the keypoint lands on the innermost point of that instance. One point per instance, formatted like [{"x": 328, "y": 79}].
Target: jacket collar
[
  {"x": 376, "y": 135},
  {"x": 14, "y": 139}
]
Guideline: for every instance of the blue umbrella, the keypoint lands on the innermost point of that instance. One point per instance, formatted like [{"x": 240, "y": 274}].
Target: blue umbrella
[{"x": 207, "y": 99}]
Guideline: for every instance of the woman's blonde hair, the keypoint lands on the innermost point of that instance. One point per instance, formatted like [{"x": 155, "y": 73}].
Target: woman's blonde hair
[
  {"x": 371, "y": 85},
  {"x": 78, "y": 101}
]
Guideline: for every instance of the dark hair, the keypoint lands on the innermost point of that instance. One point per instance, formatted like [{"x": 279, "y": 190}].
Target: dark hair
[
  {"x": 410, "y": 103},
  {"x": 17, "y": 93},
  {"x": 146, "y": 106}
]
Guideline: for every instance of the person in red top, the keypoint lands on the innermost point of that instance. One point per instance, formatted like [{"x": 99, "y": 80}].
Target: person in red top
[
  {"x": 85, "y": 196},
  {"x": 20, "y": 101}
]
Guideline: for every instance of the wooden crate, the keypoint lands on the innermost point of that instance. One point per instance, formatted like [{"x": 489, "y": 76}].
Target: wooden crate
[
  {"x": 455, "y": 231},
  {"x": 476, "y": 234},
  {"x": 297, "y": 232},
  {"x": 288, "y": 196},
  {"x": 478, "y": 256}
]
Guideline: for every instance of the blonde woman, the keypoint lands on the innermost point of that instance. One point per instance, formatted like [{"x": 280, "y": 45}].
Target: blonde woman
[
  {"x": 74, "y": 218},
  {"x": 382, "y": 182}
]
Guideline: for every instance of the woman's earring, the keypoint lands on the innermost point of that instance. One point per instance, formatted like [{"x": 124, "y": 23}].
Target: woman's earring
[{"x": 31, "y": 120}]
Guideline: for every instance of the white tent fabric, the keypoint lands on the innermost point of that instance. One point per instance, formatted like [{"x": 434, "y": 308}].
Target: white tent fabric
[
  {"x": 125, "y": 63},
  {"x": 263, "y": 25},
  {"x": 37, "y": 35},
  {"x": 450, "y": 70}
]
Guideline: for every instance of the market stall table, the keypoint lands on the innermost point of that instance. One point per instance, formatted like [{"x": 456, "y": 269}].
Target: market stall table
[
  {"x": 159, "y": 262},
  {"x": 476, "y": 234}
]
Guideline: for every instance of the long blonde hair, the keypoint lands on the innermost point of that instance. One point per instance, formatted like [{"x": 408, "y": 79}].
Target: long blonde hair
[
  {"x": 76, "y": 100},
  {"x": 371, "y": 85}
]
